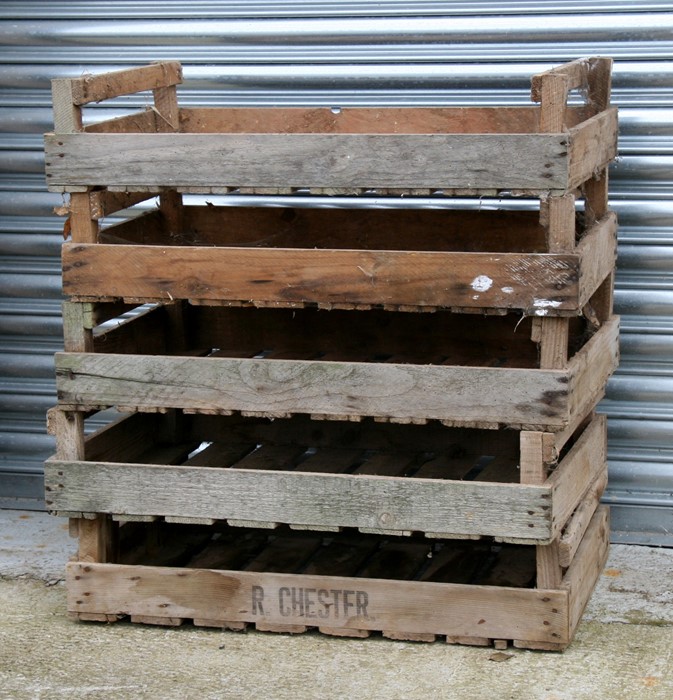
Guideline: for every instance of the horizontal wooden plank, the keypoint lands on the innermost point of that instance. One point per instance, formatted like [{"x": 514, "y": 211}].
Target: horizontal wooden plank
[
  {"x": 532, "y": 162},
  {"x": 510, "y": 396},
  {"x": 289, "y": 275},
  {"x": 137, "y": 123},
  {"x": 367, "y": 120},
  {"x": 339, "y": 602},
  {"x": 469, "y": 231},
  {"x": 95, "y": 88},
  {"x": 299, "y": 497}
]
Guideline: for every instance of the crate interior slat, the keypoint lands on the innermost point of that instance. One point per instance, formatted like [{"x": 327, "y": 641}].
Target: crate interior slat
[
  {"x": 469, "y": 454},
  {"x": 312, "y": 334},
  {"x": 339, "y": 228},
  {"x": 389, "y": 120},
  {"x": 340, "y": 554}
]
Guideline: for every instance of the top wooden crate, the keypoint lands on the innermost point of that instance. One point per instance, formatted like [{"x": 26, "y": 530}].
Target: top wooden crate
[{"x": 552, "y": 148}]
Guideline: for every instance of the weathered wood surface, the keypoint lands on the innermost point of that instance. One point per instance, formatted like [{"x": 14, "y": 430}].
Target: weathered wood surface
[
  {"x": 328, "y": 388},
  {"x": 469, "y": 592},
  {"x": 514, "y": 396},
  {"x": 287, "y": 257},
  {"x": 452, "y": 494},
  {"x": 368, "y": 120},
  {"x": 583, "y": 464},
  {"x": 591, "y": 367},
  {"x": 96, "y": 88},
  {"x": 579, "y": 522},
  {"x": 587, "y": 565},
  {"x": 363, "y": 604},
  {"x": 311, "y": 499},
  {"x": 592, "y": 145},
  {"x": 597, "y": 252},
  {"x": 592, "y": 74},
  {"x": 532, "y": 162},
  {"x": 503, "y": 280}
]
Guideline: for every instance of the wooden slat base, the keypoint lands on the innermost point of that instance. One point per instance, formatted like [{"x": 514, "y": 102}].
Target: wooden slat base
[{"x": 290, "y": 583}]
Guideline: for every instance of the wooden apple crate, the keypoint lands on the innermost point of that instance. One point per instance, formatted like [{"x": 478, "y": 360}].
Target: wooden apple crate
[
  {"x": 534, "y": 150},
  {"x": 514, "y": 486},
  {"x": 466, "y": 592},
  {"x": 391, "y": 366},
  {"x": 344, "y": 259}
]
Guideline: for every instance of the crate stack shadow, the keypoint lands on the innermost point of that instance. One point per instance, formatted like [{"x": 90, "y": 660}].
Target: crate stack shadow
[{"x": 352, "y": 418}]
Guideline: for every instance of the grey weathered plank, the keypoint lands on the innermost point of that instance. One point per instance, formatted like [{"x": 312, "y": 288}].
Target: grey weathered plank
[
  {"x": 476, "y": 161},
  {"x": 581, "y": 466},
  {"x": 337, "y": 500},
  {"x": 520, "y": 396},
  {"x": 402, "y": 606}
]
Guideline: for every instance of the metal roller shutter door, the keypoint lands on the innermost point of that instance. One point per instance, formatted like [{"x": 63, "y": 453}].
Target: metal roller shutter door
[{"x": 339, "y": 54}]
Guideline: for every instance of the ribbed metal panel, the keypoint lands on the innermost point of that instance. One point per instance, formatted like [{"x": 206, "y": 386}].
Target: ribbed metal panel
[{"x": 393, "y": 52}]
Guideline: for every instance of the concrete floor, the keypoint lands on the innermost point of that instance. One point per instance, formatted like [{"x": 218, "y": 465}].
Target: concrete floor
[{"x": 623, "y": 648}]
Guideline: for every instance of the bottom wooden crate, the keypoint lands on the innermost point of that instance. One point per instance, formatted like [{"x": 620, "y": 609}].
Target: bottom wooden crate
[{"x": 348, "y": 584}]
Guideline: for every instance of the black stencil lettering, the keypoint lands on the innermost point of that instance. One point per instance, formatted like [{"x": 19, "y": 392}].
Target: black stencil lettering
[
  {"x": 257, "y": 599},
  {"x": 284, "y": 607},
  {"x": 361, "y": 603}
]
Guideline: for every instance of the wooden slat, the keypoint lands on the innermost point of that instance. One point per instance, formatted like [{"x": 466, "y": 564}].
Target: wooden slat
[
  {"x": 591, "y": 367},
  {"x": 83, "y": 228},
  {"x": 598, "y": 252},
  {"x": 331, "y": 388},
  {"x": 461, "y": 507},
  {"x": 592, "y": 146},
  {"x": 579, "y": 522},
  {"x": 138, "y": 123},
  {"x": 589, "y": 561},
  {"x": 67, "y": 114},
  {"x": 95, "y": 88},
  {"x": 585, "y": 461},
  {"x": 505, "y": 280},
  {"x": 520, "y": 162},
  {"x": 365, "y": 604},
  {"x": 363, "y": 120},
  {"x": 104, "y": 203}
]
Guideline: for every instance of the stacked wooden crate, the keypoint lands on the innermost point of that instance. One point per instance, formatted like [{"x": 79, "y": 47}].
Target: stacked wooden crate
[{"x": 356, "y": 419}]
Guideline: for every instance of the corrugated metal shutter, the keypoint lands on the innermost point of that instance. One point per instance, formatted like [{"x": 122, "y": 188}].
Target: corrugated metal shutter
[{"x": 337, "y": 54}]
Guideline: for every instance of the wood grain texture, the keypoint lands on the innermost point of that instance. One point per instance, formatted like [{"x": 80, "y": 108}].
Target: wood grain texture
[
  {"x": 579, "y": 522},
  {"x": 311, "y": 499},
  {"x": 240, "y": 482},
  {"x": 96, "y": 88},
  {"x": 587, "y": 565},
  {"x": 514, "y": 161},
  {"x": 330, "y": 388},
  {"x": 592, "y": 145},
  {"x": 598, "y": 252},
  {"x": 583, "y": 464},
  {"x": 403, "y": 606},
  {"x": 591, "y": 367},
  {"x": 289, "y": 275}
]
